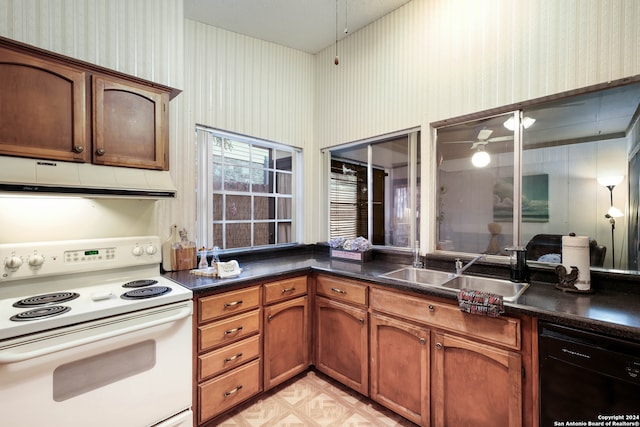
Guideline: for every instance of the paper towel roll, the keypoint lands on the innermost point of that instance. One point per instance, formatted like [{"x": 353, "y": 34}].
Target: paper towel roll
[{"x": 575, "y": 253}]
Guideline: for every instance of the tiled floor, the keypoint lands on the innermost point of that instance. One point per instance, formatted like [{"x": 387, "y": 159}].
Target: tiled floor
[{"x": 313, "y": 401}]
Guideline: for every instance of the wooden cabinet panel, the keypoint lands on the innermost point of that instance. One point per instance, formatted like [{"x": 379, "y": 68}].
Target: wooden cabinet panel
[
  {"x": 499, "y": 330},
  {"x": 228, "y": 357},
  {"x": 400, "y": 367},
  {"x": 43, "y": 112},
  {"x": 228, "y": 330},
  {"x": 285, "y": 289},
  {"x": 342, "y": 290},
  {"x": 342, "y": 350},
  {"x": 475, "y": 384},
  {"x": 286, "y": 340},
  {"x": 129, "y": 125},
  {"x": 222, "y": 393},
  {"x": 228, "y": 303}
]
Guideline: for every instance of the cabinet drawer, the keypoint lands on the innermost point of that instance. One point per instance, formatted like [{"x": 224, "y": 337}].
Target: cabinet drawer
[
  {"x": 284, "y": 289},
  {"x": 228, "y": 330},
  {"x": 342, "y": 290},
  {"x": 228, "y": 357},
  {"x": 498, "y": 330},
  {"x": 221, "y": 393},
  {"x": 221, "y": 305}
]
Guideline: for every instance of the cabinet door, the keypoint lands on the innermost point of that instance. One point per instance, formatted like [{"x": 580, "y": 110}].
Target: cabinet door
[
  {"x": 43, "y": 110},
  {"x": 286, "y": 340},
  {"x": 400, "y": 367},
  {"x": 129, "y": 125},
  {"x": 342, "y": 343},
  {"x": 475, "y": 384}
]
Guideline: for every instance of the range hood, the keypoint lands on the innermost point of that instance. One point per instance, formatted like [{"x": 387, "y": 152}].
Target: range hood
[{"x": 37, "y": 176}]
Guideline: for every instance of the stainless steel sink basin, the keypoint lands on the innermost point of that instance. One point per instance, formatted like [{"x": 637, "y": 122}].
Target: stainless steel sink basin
[
  {"x": 420, "y": 276},
  {"x": 510, "y": 291}
]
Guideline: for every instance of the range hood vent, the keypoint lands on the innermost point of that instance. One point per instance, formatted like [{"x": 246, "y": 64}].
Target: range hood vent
[{"x": 37, "y": 176}]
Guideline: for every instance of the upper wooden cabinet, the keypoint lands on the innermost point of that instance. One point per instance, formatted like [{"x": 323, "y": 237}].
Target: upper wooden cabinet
[
  {"x": 59, "y": 108},
  {"x": 129, "y": 125},
  {"x": 43, "y": 109}
]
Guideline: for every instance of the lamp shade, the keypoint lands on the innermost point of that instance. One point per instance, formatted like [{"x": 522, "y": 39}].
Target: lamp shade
[
  {"x": 606, "y": 181},
  {"x": 614, "y": 212}
]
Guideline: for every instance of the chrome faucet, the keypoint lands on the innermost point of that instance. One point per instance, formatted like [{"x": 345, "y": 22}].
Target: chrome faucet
[{"x": 460, "y": 269}]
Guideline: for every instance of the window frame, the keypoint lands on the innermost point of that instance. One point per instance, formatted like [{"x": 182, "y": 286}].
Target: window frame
[{"x": 206, "y": 191}]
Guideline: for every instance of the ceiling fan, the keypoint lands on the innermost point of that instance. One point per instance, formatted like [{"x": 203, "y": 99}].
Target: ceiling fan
[{"x": 483, "y": 138}]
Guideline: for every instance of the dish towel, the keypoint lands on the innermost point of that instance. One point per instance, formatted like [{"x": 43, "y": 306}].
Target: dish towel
[{"x": 480, "y": 303}]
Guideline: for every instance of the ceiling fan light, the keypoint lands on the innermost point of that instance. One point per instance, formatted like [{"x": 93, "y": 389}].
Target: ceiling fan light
[
  {"x": 510, "y": 123},
  {"x": 480, "y": 159}
]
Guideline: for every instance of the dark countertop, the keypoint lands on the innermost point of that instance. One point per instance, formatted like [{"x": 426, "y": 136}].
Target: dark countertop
[{"x": 607, "y": 310}]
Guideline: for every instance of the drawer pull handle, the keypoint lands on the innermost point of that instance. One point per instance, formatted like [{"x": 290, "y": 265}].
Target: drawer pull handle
[
  {"x": 230, "y": 392},
  {"x": 234, "y": 330},
  {"x": 340, "y": 291},
  {"x": 438, "y": 346},
  {"x": 284, "y": 291},
  {"x": 431, "y": 308},
  {"x": 231, "y": 304},
  {"x": 232, "y": 358}
]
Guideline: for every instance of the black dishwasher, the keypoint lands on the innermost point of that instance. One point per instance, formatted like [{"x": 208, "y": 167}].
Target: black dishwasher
[{"x": 587, "y": 379}]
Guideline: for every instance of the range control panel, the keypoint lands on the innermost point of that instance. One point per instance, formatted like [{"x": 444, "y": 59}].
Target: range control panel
[{"x": 36, "y": 259}]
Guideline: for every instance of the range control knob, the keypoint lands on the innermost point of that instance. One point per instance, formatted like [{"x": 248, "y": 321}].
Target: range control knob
[
  {"x": 151, "y": 249},
  {"x": 35, "y": 260},
  {"x": 137, "y": 251},
  {"x": 13, "y": 263}
]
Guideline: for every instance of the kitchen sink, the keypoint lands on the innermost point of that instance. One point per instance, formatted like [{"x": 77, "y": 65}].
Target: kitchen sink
[
  {"x": 510, "y": 291},
  {"x": 420, "y": 276}
]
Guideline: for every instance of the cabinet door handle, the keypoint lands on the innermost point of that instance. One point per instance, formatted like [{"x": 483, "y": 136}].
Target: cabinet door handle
[
  {"x": 78, "y": 148},
  {"x": 361, "y": 320},
  {"x": 284, "y": 291},
  {"x": 340, "y": 291},
  {"x": 231, "y": 304},
  {"x": 423, "y": 341},
  {"x": 100, "y": 151},
  {"x": 269, "y": 317},
  {"x": 439, "y": 346},
  {"x": 232, "y": 358},
  {"x": 431, "y": 307},
  {"x": 233, "y": 390},
  {"x": 234, "y": 330}
]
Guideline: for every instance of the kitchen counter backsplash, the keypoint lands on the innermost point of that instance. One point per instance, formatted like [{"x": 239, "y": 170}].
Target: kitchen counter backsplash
[{"x": 613, "y": 308}]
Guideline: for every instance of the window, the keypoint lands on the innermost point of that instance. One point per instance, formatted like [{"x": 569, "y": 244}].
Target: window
[
  {"x": 374, "y": 189},
  {"x": 246, "y": 191}
]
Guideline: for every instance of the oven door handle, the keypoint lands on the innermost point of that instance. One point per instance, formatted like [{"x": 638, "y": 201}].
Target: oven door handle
[{"x": 41, "y": 345}]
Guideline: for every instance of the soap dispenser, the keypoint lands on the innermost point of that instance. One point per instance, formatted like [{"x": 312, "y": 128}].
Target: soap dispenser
[{"x": 518, "y": 263}]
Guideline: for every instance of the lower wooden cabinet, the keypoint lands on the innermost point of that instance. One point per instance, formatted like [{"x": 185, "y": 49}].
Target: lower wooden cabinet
[
  {"x": 475, "y": 384},
  {"x": 400, "y": 367},
  {"x": 286, "y": 340},
  {"x": 342, "y": 349},
  {"x": 222, "y": 393}
]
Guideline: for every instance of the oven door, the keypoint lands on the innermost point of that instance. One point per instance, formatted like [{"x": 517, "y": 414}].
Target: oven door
[{"x": 131, "y": 370}]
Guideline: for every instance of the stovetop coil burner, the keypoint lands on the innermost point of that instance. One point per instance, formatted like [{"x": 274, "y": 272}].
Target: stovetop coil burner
[
  {"x": 40, "y": 312},
  {"x": 147, "y": 292},
  {"x": 44, "y": 299},
  {"x": 140, "y": 283}
]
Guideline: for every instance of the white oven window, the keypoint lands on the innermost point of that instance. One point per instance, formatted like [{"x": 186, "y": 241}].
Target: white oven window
[{"x": 82, "y": 376}]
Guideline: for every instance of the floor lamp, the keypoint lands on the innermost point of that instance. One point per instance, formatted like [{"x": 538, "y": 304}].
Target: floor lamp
[{"x": 610, "y": 182}]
